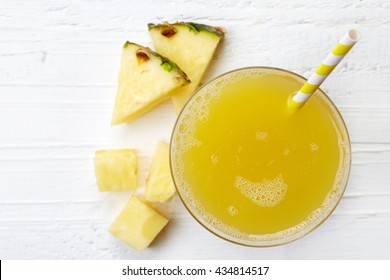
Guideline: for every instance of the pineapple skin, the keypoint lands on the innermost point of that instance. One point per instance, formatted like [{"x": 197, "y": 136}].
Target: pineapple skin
[
  {"x": 145, "y": 79},
  {"x": 192, "y": 47},
  {"x": 159, "y": 185},
  {"x": 116, "y": 170},
  {"x": 192, "y": 26},
  {"x": 138, "y": 224}
]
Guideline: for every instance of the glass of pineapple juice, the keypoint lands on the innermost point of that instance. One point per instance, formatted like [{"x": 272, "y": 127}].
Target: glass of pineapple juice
[{"x": 250, "y": 169}]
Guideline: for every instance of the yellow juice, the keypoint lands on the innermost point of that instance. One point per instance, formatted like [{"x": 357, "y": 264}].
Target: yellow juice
[{"x": 248, "y": 168}]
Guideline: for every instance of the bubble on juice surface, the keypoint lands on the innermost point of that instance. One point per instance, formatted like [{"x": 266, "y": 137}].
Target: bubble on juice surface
[
  {"x": 203, "y": 118},
  {"x": 314, "y": 147},
  {"x": 198, "y": 99},
  {"x": 266, "y": 193},
  {"x": 261, "y": 135},
  {"x": 183, "y": 128},
  {"x": 214, "y": 159},
  {"x": 286, "y": 152},
  {"x": 232, "y": 210}
]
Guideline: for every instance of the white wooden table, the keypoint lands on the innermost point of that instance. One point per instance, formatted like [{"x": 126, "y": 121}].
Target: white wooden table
[{"x": 59, "y": 63}]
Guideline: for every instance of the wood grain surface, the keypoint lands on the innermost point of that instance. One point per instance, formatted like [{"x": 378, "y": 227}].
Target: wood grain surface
[{"x": 59, "y": 62}]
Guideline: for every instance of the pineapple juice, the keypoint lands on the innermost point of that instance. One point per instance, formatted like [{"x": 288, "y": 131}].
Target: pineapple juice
[{"x": 248, "y": 168}]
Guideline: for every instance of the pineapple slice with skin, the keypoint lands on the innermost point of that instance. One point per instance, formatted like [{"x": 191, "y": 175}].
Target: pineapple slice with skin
[
  {"x": 191, "y": 46},
  {"x": 159, "y": 185},
  {"x": 138, "y": 224},
  {"x": 145, "y": 79},
  {"x": 116, "y": 170}
]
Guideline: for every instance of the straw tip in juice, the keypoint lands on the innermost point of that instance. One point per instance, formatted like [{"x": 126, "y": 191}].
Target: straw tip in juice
[{"x": 293, "y": 105}]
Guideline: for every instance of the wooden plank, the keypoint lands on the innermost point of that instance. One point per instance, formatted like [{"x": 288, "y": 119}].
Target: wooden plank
[{"x": 58, "y": 73}]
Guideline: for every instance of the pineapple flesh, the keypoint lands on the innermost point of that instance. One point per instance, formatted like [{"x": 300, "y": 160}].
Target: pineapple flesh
[
  {"x": 191, "y": 46},
  {"x": 145, "y": 79},
  {"x": 159, "y": 186},
  {"x": 138, "y": 224},
  {"x": 116, "y": 170}
]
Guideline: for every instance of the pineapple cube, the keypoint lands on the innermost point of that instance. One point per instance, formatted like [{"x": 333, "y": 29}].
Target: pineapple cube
[
  {"x": 116, "y": 170},
  {"x": 145, "y": 79},
  {"x": 159, "y": 186},
  {"x": 138, "y": 224},
  {"x": 191, "y": 46}
]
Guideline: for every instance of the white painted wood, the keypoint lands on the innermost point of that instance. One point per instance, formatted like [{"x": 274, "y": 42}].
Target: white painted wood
[{"x": 58, "y": 68}]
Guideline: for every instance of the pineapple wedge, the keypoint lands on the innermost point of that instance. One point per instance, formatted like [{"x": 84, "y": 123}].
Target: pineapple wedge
[
  {"x": 159, "y": 186},
  {"x": 116, "y": 170},
  {"x": 191, "y": 46},
  {"x": 138, "y": 224},
  {"x": 145, "y": 79}
]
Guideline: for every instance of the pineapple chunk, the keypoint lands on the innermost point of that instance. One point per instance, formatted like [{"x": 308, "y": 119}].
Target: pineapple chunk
[
  {"x": 116, "y": 170},
  {"x": 191, "y": 46},
  {"x": 145, "y": 79},
  {"x": 159, "y": 186},
  {"x": 138, "y": 224}
]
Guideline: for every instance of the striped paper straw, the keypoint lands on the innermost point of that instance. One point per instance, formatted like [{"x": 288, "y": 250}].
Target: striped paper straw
[{"x": 326, "y": 67}]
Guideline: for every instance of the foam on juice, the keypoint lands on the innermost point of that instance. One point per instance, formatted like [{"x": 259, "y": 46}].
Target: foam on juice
[
  {"x": 232, "y": 210},
  {"x": 267, "y": 193},
  {"x": 261, "y": 135},
  {"x": 314, "y": 147}
]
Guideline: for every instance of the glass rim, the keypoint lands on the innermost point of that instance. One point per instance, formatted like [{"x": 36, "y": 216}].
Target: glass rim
[{"x": 317, "y": 222}]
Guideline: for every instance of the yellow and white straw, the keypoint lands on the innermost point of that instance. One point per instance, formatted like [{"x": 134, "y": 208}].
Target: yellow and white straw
[{"x": 328, "y": 64}]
